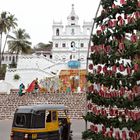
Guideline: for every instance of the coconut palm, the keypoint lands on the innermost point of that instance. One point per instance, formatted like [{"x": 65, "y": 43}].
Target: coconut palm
[
  {"x": 7, "y": 21},
  {"x": 19, "y": 42},
  {"x": 12, "y": 25}
]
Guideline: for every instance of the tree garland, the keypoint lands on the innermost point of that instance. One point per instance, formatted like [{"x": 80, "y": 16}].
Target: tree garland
[
  {"x": 95, "y": 136},
  {"x": 115, "y": 41},
  {"x": 120, "y": 102},
  {"x": 114, "y": 122},
  {"x": 116, "y": 80}
]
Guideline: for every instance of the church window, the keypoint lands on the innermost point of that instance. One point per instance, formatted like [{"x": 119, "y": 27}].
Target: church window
[
  {"x": 72, "y": 23},
  {"x": 72, "y": 17},
  {"x": 50, "y": 56},
  {"x": 82, "y": 45},
  {"x": 57, "y": 32},
  {"x": 13, "y": 59},
  {"x": 3, "y": 58},
  {"x": 9, "y": 58},
  {"x": 63, "y": 45},
  {"x": 56, "y": 45},
  {"x": 72, "y": 44},
  {"x": 72, "y": 32}
]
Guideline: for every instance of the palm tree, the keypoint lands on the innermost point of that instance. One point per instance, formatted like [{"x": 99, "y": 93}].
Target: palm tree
[
  {"x": 19, "y": 42},
  {"x": 7, "y": 21},
  {"x": 12, "y": 24}
]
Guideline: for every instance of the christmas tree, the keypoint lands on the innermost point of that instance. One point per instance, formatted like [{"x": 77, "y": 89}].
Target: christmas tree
[{"x": 114, "y": 73}]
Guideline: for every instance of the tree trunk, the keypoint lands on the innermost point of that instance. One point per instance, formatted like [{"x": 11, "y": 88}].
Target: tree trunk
[
  {"x": 0, "y": 50},
  {"x": 4, "y": 45}
]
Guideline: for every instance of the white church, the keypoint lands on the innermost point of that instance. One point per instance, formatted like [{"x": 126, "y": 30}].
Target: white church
[{"x": 68, "y": 56}]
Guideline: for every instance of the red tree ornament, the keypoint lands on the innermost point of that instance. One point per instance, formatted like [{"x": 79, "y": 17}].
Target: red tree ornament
[
  {"x": 92, "y": 48},
  {"x": 121, "y": 22},
  {"x": 99, "y": 69},
  {"x": 102, "y": 27},
  {"x": 129, "y": 71},
  {"x": 91, "y": 66},
  {"x": 137, "y": 15},
  {"x": 139, "y": 4},
  {"x": 113, "y": 6},
  {"x": 103, "y": 129},
  {"x": 122, "y": 2},
  {"x": 114, "y": 68},
  {"x": 121, "y": 46},
  {"x": 136, "y": 67},
  {"x": 99, "y": 32},
  {"x": 91, "y": 88},
  {"x": 134, "y": 38},
  {"x": 109, "y": 133},
  {"x": 124, "y": 135},
  {"x": 121, "y": 68},
  {"x": 105, "y": 69},
  {"x": 107, "y": 49},
  {"x": 110, "y": 72},
  {"x": 122, "y": 91},
  {"x": 130, "y": 19},
  {"x": 92, "y": 127},
  {"x": 117, "y": 135},
  {"x": 89, "y": 106},
  {"x": 114, "y": 23},
  {"x": 110, "y": 24}
]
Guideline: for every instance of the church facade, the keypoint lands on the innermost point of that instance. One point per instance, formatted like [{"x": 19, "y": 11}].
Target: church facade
[{"x": 68, "y": 56}]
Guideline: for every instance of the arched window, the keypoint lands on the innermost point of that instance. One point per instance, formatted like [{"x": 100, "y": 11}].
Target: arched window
[
  {"x": 63, "y": 44},
  {"x": 72, "y": 44},
  {"x": 13, "y": 59},
  {"x": 3, "y": 58},
  {"x": 72, "y": 32},
  {"x": 82, "y": 45},
  {"x": 50, "y": 56},
  {"x": 57, "y": 32},
  {"x": 56, "y": 45},
  {"x": 70, "y": 56},
  {"x": 9, "y": 58}
]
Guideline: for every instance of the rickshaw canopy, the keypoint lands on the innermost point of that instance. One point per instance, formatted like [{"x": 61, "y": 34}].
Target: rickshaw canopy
[{"x": 32, "y": 108}]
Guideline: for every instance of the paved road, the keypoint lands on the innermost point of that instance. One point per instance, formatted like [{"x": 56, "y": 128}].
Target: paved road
[{"x": 78, "y": 127}]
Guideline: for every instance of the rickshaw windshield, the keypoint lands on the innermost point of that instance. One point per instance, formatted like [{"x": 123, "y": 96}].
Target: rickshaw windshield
[
  {"x": 29, "y": 120},
  {"x": 22, "y": 120}
]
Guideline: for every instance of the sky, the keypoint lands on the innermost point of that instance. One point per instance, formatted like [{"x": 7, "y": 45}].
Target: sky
[{"x": 37, "y": 16}]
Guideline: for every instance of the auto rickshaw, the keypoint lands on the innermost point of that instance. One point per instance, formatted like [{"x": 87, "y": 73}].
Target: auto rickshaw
[{"x": 41, "y": 122}]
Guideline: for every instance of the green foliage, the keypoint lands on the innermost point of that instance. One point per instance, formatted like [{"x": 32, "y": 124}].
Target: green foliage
[
  {"x": 19, "y": 42},
  {"x": 3, "y": 71},
  {"x": 114, "y": 121},
  {"x": 94, "y": 136},
  {"x": 120, "y": 102},
  {"x": 16, "y": 77}
]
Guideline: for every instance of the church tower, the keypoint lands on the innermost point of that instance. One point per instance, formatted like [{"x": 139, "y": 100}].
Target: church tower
[
  {"x": 69, "y": 41},
  {"x": 72, "y": 18}
]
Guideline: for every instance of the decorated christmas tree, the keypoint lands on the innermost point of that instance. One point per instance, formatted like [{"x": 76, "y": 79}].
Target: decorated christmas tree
[{"x": 113, "y": 95}]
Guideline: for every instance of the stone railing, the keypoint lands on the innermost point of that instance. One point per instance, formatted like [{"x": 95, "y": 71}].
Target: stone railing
[{"x": 9, "y": 103}]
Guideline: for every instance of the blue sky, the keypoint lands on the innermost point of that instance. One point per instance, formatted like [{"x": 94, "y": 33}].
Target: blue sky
[{"x": 36, "y": 16}]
